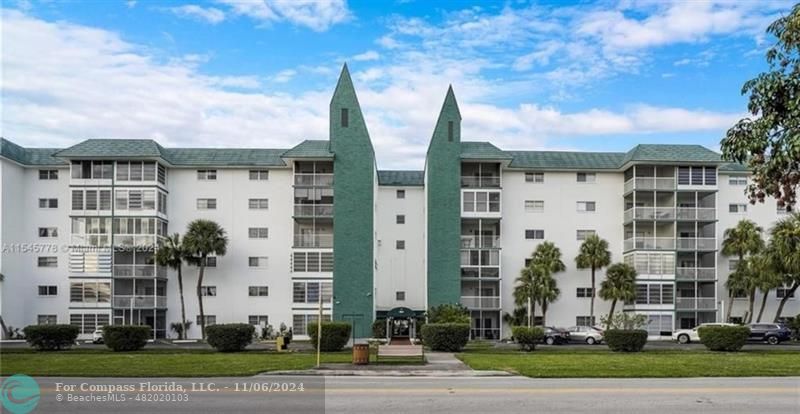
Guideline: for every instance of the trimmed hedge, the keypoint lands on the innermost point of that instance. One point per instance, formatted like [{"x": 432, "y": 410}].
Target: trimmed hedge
[
  {"x": 334, "y": 335},
  {"x": 379, "y": 328},
  {"x": 230, "y": 337},
  {"x": 724, "y": 338},
  {"x": 620, "y": 340},
  {"x": 51, "y": 337},
  {"x": 448, "y": 337},
  {"x": 526, "y": 337},
  {"x": 126, "y": 337}
]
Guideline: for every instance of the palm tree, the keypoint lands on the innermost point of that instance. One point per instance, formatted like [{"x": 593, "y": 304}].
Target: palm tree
[
  {"x": 737, "y": 282},
  {"x": 747, "y": 271},
  {"x": 785, "y": 246},
  {"x": 740, "y": 241},
  {"x": 765, "y": 277},
  {"x": 171, "y": 254},
  {"x": 523, "y": 292},
  {"x": 545, "y": 290},
  {"x": 548, "y": 256},
  {"x": 594, "y": 255},
  {"x": 620, "y": 285},
  {"x": 546, "y": 261},
  {"x": 204, "y": 238}
]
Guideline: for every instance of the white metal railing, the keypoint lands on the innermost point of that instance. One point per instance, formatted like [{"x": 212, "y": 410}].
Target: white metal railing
[
  {"x": 480, "y": 182},
  {"x": 139, "y": 271},
  {"x": 314, "y": 180},
  {"x": 313, "y": 210},
  {"x": 650, "y": 183},
  {"x": 97, "y": 240},
  {"x": 649, "y": 213},
  {"x": 480, "y": 242},
  {"x": 482, "y": 272},
  {"x": 695, "y": 303},
  {"x": 135, "y": 240},
  {"x": 697, "y": 213},
  {"x": 649, "y": 243},
  {"x": 139, "y": 301},
  {"x": 697, "y": 243},
  {"x": 313, "y": 240},
  {"x": 695, "y": 273},
  {"x": 481, "y": 302}
]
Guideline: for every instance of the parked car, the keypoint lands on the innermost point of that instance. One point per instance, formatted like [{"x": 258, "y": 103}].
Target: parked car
[
  {"x": 685, "y": 336},
  {"x": 771, "y": 333},
  {"x": 97, "y": 336},
  {"x": 588, "y": 334},
  {"x": 555, "y": 336}
]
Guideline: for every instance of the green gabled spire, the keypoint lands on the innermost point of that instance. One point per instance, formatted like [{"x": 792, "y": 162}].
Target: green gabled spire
[{"x": 344, "y": 97}]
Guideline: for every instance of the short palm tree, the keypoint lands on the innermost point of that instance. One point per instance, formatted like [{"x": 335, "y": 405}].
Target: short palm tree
[
  {"x": 171, "y": 254},
  {"x": 785, "y": 246},
  {"x": 545, "y": 290},
  {"x": 548, "y": 256},
  {"x": 747, "y": 271},
  {"x": 620, "y": 285},
  {"x": 740, "y": 241},
  {"x": 766, "y": 277},
  {"x": 523, "y": 292},
  {"x": 545, "y": 262},
  {"x": 204, "y": 238},
  {"x": 593, "y": 254},
  {"x": 736, "y": 283}
]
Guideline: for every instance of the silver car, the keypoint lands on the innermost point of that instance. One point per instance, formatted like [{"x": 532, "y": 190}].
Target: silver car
[{"x": 588, "y": 334}]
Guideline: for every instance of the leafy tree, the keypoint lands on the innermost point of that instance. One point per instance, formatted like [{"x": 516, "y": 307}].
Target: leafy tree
[
  {"x": 620, "y": 285},
  {"x": 204, "y": 238},
  {"x": 768, "y": 141},
  {"x": 448, "y": 313},
  {"x": 740, "y": 241},
  {"x": 594, "y": 255},
  {"x": 785, "y": 247},
  {"x": 172, "y": 254}
]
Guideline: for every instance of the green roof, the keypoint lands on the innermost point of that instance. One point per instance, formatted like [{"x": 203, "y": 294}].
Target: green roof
[
  {"x": 225, "y": 157},
  {"x": 471, "y": 150},
  {"x": 310, "y": 149},
  {"x": 400, "y": 178},
  {"x": 113, "y": 148},
  {"x": 549, "y": 160},
  {"x": 734, "y": 167},
  {"x": 671, "y": 153},
  {"x": 29, "y": 156}
]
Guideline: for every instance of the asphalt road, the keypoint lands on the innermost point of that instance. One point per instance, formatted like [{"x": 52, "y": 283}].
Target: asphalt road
[{"x": 352, "y": 395}]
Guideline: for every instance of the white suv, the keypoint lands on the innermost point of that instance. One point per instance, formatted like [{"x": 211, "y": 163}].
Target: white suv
[{"x": 684, "y": 336}]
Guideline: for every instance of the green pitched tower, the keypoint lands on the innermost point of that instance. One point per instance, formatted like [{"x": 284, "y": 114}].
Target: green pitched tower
[
  {"x": 354, "y": 188},
  {"x": 443, "y": 196}
]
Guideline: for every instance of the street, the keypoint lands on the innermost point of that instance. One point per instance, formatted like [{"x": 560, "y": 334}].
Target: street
[{"x": 429, "y": 395}]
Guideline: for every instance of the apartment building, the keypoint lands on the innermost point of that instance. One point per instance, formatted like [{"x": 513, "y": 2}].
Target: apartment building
[{"x": 320, "y": 223}]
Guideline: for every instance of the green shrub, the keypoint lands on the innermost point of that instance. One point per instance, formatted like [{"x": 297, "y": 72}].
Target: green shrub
[
  {"x": 334, "y": 335},
  {"x": 526, "y": 337},
  {"x": 379, "y": 328},
  {"x": 724, "y": 338},
  {"x": 448, "y": 313},
  {"x": 448, "y": 337},
  {"x": 794, "y": 325},
  {"x": 51, "y": 337},
  {"x": 126, "y": 337},
  {"x": 620, "y": 340},
  {"x": 230, "y": 337}
]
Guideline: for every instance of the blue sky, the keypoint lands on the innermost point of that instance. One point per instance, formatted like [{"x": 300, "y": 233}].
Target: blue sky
[{"x": 599, "y": 76}]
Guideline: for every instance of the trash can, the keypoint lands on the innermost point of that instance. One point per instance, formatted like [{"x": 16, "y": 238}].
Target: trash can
[
  {"x": 279, "y": 343},
  {"x": 360, "y": 354}
]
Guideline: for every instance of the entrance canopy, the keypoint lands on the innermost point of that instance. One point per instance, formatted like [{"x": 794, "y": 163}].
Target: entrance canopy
[{"x": 401, "y": 312}]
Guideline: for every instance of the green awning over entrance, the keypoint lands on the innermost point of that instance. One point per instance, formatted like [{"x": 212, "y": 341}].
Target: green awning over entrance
[{"x": 401, "y": 312}]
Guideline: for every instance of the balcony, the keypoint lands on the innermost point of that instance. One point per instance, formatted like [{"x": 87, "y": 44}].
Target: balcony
[
  {"x": 701, "y": 214},
  {"x": 313, "y": 240},
  {"x": 480, "y": 182},
  {"x": 313, "y": 210},
  {"x": 649, "y": 243},
  {"x": 480, "y": 242},
  {"x": 480, "y": 272},
  {"x": 480, "y": 204},
  {"x": 139, "y": 301},
  {"x": 139, "y": 271},
  {"x": 313, "y": 180},
  {"x": 696, "y": 273},
  {"x": 481, "y": 302},
  {"x": 649, "y": 213},
  {"x": 700, "y": 243},
  {"x": 695, "y": 303},
  {"x": 650, "y": 183},
  {"x": 131, "y": 240}
]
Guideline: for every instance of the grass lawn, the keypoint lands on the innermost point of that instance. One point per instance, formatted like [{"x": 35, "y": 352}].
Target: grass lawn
[{"x": 601, "y": 362}]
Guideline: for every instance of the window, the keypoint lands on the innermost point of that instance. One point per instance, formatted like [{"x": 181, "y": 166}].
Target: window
[
  {"x": 258, "y": 203},
  {"x": 46, "y": 319},
  {"x": 206, "y": 203},
  {"x": 654, "y": 294},
  {"x": 481, "y": 201},
  {"x": 259, "y": 320},
  {"x": 534, "y": 206},
  {"x": 48, "y": 290},
  {"x": 401, "y": 193},
  {"x": 258, "y": 232},
  {"x": 534, "y": 234},
  {"x": 210, "y": 319},
  {"x": 140, "y": 171},
  {"x": 135, "y": 200},
  {"x": 534, "y": 177},
  {"x": 400, "y": 295},
  {"x": 584, "y": 321},
  {"x": 583, "y": 234},
  {"x": 208, "y": 290},
  {"x": 737, "y": 208},
  {"x": 584, "y": 292},
  {"x": 698, "y": 176},
  {"x": 97, "y": 170},
  {"x": 253, "y": 261},
  {"x": 48, "y": 203},
  {"x": 734, "y": 180},
  {"x": 586, "y": 177},
  {"x": 47, "y": 261},
  {"x": 450, "y": 131},
  {"x": 162, "y": 203},
  {"x": 586, "y": 206},
  {"x": 345, "y": 118},
  {"x": 211, "y": 261},
  {"x": 48, "y": 174},
  {"x": 300, "y": 322},
  {"x": 162, "y": 174},
  {"x": 207, "y": 175},
  {"x": 400, "y": 219},
  {"x": 91, "y": 200},
  {"x": 90, "y": 292},
  {"x": 260, "y": 175},
  {"x": 48, "y": 232},
  {"x": 104, "y": 199},
  {"x": 258, "y": 291},
  {"x": 781, "y": 292},
  {"x": 400, "y": 244},
  {"x": 710, "y": 175},
  {"x": 88, "y": 322},
  {"x": 312, "y": 262},
  {"x": 683, "y": 175},
  {"x": 308, "y": 292}
]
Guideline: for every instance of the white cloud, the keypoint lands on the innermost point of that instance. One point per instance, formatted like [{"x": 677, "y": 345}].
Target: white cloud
[
  {"x": 130, "y": 4},
  {"x": 209, "y": 15},
  {"x": 367, "y": 56},
  {"x": 318, "y": 15},
  {"x": 283, "y": 76}
]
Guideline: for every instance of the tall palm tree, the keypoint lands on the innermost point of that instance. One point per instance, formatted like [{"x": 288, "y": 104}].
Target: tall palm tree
[
  {"x": 620, "y": 285},
  {"x": 737, "y": 282},
  {"x": 740, "y": 241},
  {"x": 747, "y": 271},
  {"x": 523, "y": 292},
  {"x": 785, "y": 246},
  {"x": 204, "y": 238},
  {"x": 548, "y": 256},
  {"x": 765, "y": 277},
  {"x": 171, "y": 254},
  {"x": 546, "y": 261},
  {"x": 594, "y": 255},
  {"x": 545, "y": 290}
]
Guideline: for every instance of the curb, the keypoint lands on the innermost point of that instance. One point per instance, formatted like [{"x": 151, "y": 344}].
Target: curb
[{"x": 390, "y": 373}]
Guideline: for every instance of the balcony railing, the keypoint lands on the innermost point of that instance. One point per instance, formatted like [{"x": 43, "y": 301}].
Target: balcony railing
[
  {"x": 700, "y": 213},
  {"x": 480, "y": 242},
  {"x": 313, "y": 240},
  {"x": 480, "y": 182},
  {"x": 139, "y": 271},
  {"x": 699, "y": 243},
  {"x": 128, "y": 240},
  {"x": 649, "y": 213},
  {"x": 695, "y": 273},
  {"x": 313, "y": 180},
  {"x": 695, "y": 303},
  {"x": 481, "y": 302},
  {"x": 649, "y": 243},
  {"x": 650, "y": 183},
  {"x": 139, "y": 301},
  {"x": 482, "y": 272},
  {"x": 313, "y": 210}
]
